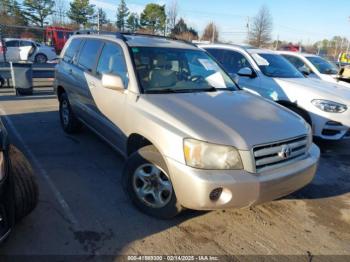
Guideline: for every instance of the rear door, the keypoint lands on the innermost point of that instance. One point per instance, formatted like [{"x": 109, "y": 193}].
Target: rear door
[
  {"x": 12, "y": 50},
  {"x": 26, "y": 49},
  {"x": 85, "y": 71}
]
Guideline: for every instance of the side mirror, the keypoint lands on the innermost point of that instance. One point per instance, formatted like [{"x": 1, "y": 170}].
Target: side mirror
[
  {"x": 113, "y": 82},
  {"x": 304, "y": 70},
  {"x": 246, "y": 71}
]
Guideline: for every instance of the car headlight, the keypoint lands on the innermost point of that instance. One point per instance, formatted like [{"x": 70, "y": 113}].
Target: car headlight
[
  {"x": 2, "y": 166},
  {"x": 329, "y": 106},
  {"x": 203, "y": 155}
]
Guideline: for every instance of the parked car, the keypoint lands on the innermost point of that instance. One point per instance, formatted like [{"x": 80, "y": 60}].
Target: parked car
[
  {"x": 323, "y": 105},
  {"x": 27, "y": 50},
  {"x": 314, "y": 66},
  {"x": 190, "y": 137},
  {"x": 18, "y": 188}
]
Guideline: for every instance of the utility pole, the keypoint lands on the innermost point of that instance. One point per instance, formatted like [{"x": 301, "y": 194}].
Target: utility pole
[
  {"x": 213, "y": 36},
  {"x": 98, "y": 21}
]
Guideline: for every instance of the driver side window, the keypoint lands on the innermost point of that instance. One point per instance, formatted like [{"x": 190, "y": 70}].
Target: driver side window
[
  {"x": 296, "y": 62},
  {"x": 112, "y": 62}
]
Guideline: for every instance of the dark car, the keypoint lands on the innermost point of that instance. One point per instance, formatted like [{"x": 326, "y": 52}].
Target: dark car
[{"x": 18, "y": 188}]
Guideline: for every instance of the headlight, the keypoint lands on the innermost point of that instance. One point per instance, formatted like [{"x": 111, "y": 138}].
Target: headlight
[
  {"x": 2, "y": 165},
  {"x": 203, "y": 155},
  {"x": 329, "y": 106}
]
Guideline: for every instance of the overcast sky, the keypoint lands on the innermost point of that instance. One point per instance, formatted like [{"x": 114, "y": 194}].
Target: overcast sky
[{"x": 294, "y": 20}]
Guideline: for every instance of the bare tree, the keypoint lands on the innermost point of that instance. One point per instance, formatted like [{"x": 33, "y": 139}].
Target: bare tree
[
  {"x": 172, "y": 13},
  {"x": 211, "y": 33},
  {"x": 60, "y": 10},
  {"x": 261, "y": 30}
]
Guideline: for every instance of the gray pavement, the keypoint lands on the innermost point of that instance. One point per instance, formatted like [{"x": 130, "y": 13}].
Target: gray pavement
[{"x": 84, "y": 211}]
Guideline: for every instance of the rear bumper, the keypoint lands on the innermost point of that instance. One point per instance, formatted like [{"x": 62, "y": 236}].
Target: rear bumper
[{"x": 239, "y": 188}]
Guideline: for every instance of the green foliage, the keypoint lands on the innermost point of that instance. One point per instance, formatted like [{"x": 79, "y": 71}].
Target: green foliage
[
  {"x": 181, "y": 30},
  {"x": 122, "y": 15},
  {"x": 11, "y": 13},
  {"x": 153, "y": 18},
  {"x": 36, "y": 11},
  {"x": 81, "y": 11},
  {"x": 133, "y": 24},
  {"x": 102, "y": 17}
]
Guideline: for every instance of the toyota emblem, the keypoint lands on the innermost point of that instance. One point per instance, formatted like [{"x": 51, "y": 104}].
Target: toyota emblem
[{"x": 285, "y": 152}]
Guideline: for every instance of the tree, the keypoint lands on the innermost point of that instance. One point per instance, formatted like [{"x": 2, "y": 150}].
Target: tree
[
  {"x": 133, "y": 24},
  {"x": 81, "y": 11},
  {"x": 211, "y": 33},
  {"x": 182, "y": 31},
  {"x": 260, "y": 33},
  {"x": 36, "y": 11},
  {"x": 60, "y": 10},
  {"x": 122, "y": 15},
  {"x": 11, "y": 13},
  {"x": 153, "y": 18},
  {"x": 102, "y": 17},
  {"x": 172, "y": 12}
]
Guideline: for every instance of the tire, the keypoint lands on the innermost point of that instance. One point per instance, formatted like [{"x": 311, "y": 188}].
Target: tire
[
  {"x": 69, "y": 122},
  {"x": 40, "y": 58},
  {"x": 2, "y": 82},
  {"x": 26, "y": 193},
  {"x": 301, "y": 113},
  {"x": 145, "y": 159}
]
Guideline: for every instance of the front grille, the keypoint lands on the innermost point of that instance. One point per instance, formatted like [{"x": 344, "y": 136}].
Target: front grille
[{"x": 279, "y": 154}]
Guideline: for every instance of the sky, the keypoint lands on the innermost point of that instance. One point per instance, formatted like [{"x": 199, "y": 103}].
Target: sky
[{"x": 303, "y": 21}]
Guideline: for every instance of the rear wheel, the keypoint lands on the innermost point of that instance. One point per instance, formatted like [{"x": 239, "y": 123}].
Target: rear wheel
[
  {"x": 148, "y": 184},
  {"x": 26, "y": 191},
  {"x": 40, "y": 58},
  {"x": 69, "y": 122}
]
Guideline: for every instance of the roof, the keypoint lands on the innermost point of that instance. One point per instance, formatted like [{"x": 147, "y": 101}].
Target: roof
[
  {"x": 135, "y": 40},
  {"x": 247, "y": 48},
  {"x": 297, "y": 53}
]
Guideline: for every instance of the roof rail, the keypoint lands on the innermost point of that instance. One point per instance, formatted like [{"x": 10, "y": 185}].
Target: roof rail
[
  {"x": 121, "y": 35},
  {"x": 158, "y": 36}
]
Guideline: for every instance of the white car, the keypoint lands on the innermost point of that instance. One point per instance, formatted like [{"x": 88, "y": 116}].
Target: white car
[
  {"x": 323, "y": 105},
  {"x": 27, "y": 50},
  {"x": 314, "y": 66}
]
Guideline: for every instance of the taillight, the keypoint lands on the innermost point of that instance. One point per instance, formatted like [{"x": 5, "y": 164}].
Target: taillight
[{"x": 2, "y": 49}]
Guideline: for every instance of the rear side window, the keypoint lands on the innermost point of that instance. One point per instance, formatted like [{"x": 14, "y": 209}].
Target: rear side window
[
  {"x": 72, "y": 50},
  {"x": 27, "y": 43},
  {"x": 88, "y": 54},
  {"x": 112, "y": 62},
  {"x": 12, "y": 43}
]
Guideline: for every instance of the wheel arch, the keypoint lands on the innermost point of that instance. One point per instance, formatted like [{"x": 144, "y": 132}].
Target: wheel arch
[{"x": 291, "y": 106}]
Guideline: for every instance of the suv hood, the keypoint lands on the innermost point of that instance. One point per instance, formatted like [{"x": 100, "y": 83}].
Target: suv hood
[
  {"x": 235, "y": 118},
  {"x": 320, "y": 89}
]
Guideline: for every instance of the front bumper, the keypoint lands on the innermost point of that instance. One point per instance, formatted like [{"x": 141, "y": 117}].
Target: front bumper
[
  {"x": 239, "y": 188},
  {"x": 330, "y": 126}
]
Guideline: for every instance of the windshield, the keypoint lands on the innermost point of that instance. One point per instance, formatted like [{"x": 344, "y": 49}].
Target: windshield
[
  {"x": 322, "y": 65},
  {"x": 178, "y": 70},
  {"x": 274, "y": 65}
]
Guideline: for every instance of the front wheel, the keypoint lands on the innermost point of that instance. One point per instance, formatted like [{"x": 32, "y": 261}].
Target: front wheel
[
  {"x": 25, "y": 187},
  {"x": 148, "y": 184}
]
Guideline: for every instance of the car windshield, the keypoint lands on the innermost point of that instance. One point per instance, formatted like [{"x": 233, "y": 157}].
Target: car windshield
[
  {"x": 178, "y": 70},
  {"x": 274, "y": 65},
  {"x": 323, "y": 65}
]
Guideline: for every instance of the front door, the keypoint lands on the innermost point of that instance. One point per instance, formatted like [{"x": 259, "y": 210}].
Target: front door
[{"x": 110, "y": 104}]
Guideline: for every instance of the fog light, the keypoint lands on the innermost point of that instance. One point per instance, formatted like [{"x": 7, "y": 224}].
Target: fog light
[{"x": 215, "y": 194}]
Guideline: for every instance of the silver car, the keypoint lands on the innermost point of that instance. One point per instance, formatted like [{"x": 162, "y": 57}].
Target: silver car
[{"x": 190, "y": 136}]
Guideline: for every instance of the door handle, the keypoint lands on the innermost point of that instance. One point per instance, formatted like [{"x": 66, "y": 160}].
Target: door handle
[
  {"x": 92, "y": 84},
  {"x": 70, "y": 71}
]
